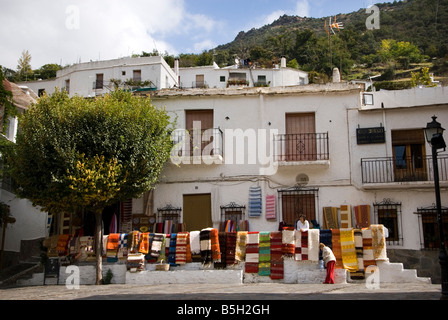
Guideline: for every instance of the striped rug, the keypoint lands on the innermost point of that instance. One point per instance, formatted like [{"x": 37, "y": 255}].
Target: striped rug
[
  {"x": 348, "y": 251},
  {"x": 252, "y": 252},
  {"x": 264, "y": 267},
  {"x": 277, "y": 268}
]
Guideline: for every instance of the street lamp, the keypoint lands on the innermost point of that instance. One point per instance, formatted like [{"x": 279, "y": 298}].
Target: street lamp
[{"x": 434, "y": 136}]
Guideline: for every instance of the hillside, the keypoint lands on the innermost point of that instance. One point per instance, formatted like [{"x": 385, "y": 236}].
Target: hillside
[{"x": 355, "y": 50}]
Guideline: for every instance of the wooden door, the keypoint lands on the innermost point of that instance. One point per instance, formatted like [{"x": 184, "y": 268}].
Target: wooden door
[
  {"x": 197, "y": 121},
  {"x": 409, "y": 155},
  {"x": 300, "y": 139},
  {"x": 294, "y": 205},
  {"x": 197, "y": 212}
]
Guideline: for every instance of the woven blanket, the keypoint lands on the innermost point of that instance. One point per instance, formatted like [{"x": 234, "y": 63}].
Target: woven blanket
[
  {"x": 214, "y": 242},
  {"x": 181, "y": 248},
  {"x": 313, "y": 244},
  {"x": 112, "y": 243},
  {"x": 277, "y": 268},
  {"x": 222, "y": 246},
  {"x": 195, "y": 243},
  {"x": 73, "y": 247},
  {"x": 331, "y": 218},
  {"x": 367, "y": 248},
  {"x": 336, "y": 247},
  {"x": 206, "y": 245},
  {"x": 156, "y": 246},
  {"x": 255, "y": 202},
  {"x": 172, "y": 249},
  {"x": 288, "y": 243},
  {"x": 264, "y": 267},
  {"x": 135, "y": 261},
  {"x": 62, "y": 245},
  {"x": 252, "y": 252},
  {"x": 243, "y": 225},
  {"x": 362, "y": 216},
  {"x": 162, "y": 256},
  {"x": 230, "y": 248},
  {"x": 301, "y": 245},
  {"x": 240, "y": 246},
  {"x": 270, "y": 207},
  {"x": 134, "y": 241},
  {"x": 359, "y": 255},
  {"x": 123, "y": 246},
  {"x": 144, "y": 243},
  {"x": 349, "y": 258},
  {"x": 346, "y": 217},
  {"x": 378, "y": 242}
]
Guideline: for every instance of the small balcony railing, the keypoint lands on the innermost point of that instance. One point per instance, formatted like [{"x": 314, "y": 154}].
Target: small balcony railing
[
  {"x": 407, "y": 169},
  {"x": 301, "y": 147},
  {"x": 204, "y": 143}
]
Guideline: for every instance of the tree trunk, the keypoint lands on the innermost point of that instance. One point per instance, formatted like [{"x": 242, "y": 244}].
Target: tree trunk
[{"x": 98, "y": 249}]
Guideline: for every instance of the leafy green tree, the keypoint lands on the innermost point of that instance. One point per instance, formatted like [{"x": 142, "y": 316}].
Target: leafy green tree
[
  {"x": 47, "y": 71},
  {"x": 401, "y": 52},
  {"x": 74, "y": 153},
  {"x": 7, "y": 107},
  {"x": 24, "y": 70}
]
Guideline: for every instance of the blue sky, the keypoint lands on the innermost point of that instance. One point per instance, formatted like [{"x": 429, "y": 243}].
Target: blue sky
[{"x": 67, "y": 31}]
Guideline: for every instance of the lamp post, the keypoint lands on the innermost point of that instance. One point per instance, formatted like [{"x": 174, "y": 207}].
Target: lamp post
[{"x": 434, "y": 136}]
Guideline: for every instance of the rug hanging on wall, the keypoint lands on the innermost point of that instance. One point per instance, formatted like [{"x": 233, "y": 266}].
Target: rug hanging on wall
[
  {"x": 255, "y": 202},
  {"x": 362, "y": 216},
  {"x": 270, "y": 207},
  {"x": 330, "y": 218},
  {"x": 346, "y": 217}
]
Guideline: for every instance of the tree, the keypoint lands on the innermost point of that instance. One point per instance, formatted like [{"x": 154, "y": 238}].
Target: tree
[
  {"x": 74, "y": 153},
  {"x": 24, "y": 66}
]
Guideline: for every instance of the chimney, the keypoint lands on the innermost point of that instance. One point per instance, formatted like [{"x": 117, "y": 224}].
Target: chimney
[
  {"x": 336, "y": 75},
  {"x": 283, "y": 62},
  {"x": 176, "y": 66}
]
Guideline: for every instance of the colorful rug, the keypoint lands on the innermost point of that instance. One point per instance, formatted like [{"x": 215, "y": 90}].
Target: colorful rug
[
  {"x": 134, "y": 241},
  {"x": 252, "y": 252},
  {"x": 144, "y": 243},
  {"x": 156, "y": 247},
  {"x": 112, "y": 245},
  {"x": 230, "y": 248},
  {"x": 123, "y": 247},
  {"x": 346, "y": 217},
  {"x": 62, "y": 245},
  {"x": 162, "y": 256},
  {"x": 255, "y": 202},
  {"x": 270, "y": 207},
  {"x": 240, "y": 247},
  {"x": 359, "y": 255},
  {"x": 348, "y": 251},
  {"x": 135, "y": 262},
  {"x": 378, "y": 242},
  {"x": 301, "y": 245},
  {"x": 288, "y": 243},
  {"x": 172, "y": 249},
  {"x": 264, "y": 267},
  {"x": 206, "y": 245},
  {"x": 222, "y": 246},
  {"x": 214, "y": 242},
  {"x": 331, "y": 218},
  {"x": 277, "y": 268},
  {"x": 367, "y": 248},
  {"x": 336, "y": 247},
  {"x": 362, "y": 216},
  {"x": 181, "y": 247}
]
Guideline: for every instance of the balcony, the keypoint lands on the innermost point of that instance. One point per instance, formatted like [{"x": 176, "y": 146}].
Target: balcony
[
  {"x": 300, "y": 149},
  {"x": 197, "y": 147},
  {"x": 403, "y": 170}
]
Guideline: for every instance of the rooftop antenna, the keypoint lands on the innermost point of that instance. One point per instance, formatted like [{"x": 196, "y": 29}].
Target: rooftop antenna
[{"x": 331, "y": 28}]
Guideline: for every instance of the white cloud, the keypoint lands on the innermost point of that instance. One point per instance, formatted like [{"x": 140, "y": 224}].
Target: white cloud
[{"x": 303, "y": 8}]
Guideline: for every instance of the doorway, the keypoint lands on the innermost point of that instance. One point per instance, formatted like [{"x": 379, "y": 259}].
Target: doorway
[{"x": 197, "y": 212}]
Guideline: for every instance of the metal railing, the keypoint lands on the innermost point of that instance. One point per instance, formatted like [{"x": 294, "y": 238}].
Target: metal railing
[
  {"x": 301, "y": 147},
  {"x": 389, "y": 170},
  {"x": 204, "y": 142}
]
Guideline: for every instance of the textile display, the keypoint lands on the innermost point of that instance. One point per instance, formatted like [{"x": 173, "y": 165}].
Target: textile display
[
  {"x": 301, "y": 245},
  {"x": 313, "y": 244},
  {"x": 359, "y": 255},
  {"x": 367, "y": 248},
  {"x": 195, "y": 243},
  {"x": 112, "y": 245},
  {"x": 133, "y": 241},
  {"x": 264, "y": 267},
  {"x": 277, "y": 267},
  {"x": 331, "y": 218},
  {"x": 73, "y": 246},
  {"x": 349, "y": 258},
  {"x": 162, "y": 256},
  {"x": 172, "y": 249},
  {"x": 222, "y": 246},
  {"x": 181, "y": 248},
  {"x": 270, "y": 207},
  {"x": 214, "y": 243},
  {"x": 51, "y": 244},
  {"x": 346, "y": 217},
  {"x": 378, "y": 242},
  {"x": 252, "y": 252},
  {"x": 144, "y": 243},
  {"x": 206, "y": 245},
  {"x": 288, "y": 243},
  {"x": 240, "y": 246},
  {"x": 255, "y": 202},
  {"x": 362, "y": 216},
  {"x": 243, "y": 225},
  {"x": 122, "y": 246},
  {"x": 336, "y": 248},
  {"x": 156, "y": 246},
  {"x": 135, "y": 262},
  {"x": 62, "y": 245},
  {"x": 230, "y": 248}
]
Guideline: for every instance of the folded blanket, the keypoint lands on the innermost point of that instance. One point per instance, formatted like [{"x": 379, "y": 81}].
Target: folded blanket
[
  {"x": 62, "y": 245},
  {"x": 172, "y": 249},
  {"x": 359, "y": 255},
  {"x": 240, "y": 248},
  {"x": 301, "y": 245},
  {"x": 144, "y": 243},
  {"x": 195, "y": 243},
  {"x": 122, "y": 246},
  {"x": 222, "y": 246}
]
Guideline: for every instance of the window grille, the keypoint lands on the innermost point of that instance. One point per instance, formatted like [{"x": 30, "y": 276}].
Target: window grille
[
  {"x": 388, "y": 213},
  {"x": 296, "y": 201},
  {"x": 429, "y": 227}
]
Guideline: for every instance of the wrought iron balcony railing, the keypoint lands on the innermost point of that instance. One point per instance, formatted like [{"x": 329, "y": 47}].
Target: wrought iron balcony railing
[
  {"x": 301, "y": 147},
  {"x": 204, "y": 142},
  {"x": 389, "y": 170}
]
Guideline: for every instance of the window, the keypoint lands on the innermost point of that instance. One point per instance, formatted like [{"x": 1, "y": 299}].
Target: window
[
  {"x": 41, "y": 92},
  {"x": 222, "y": 78},
  {"x": 388, "y": 214},
  {"x": 409, "y": 155},
  {"x": 137, "y": 75},
  {"x": 231, "y": 217},
  {"x": 67, "y": 86},
  {"x": 300, "y": 137},
  {"x": 99, "y": 83},
  {"x": 430, "y": 235},
  {"x": 367, "y": 99},
  {"x": 295, "y": 202}
]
